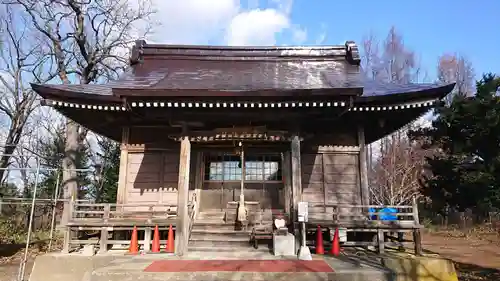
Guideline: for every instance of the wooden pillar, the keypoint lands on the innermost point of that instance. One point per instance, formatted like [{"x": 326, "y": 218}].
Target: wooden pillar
[
  {"x": 182, "y": 226},
  {"x": 103, "y": 243},
  {"x": 287, "y": 182},
  {"x": 363, "y": 168},
  {"x": 147, "y": 239},
  {"x": 198, "y": 181},
  {"x": 417, "y": 238},
  {"x": 380, "y": 241},
  {"x": 296, "y": 176},
  {"x": 122, "y": 177}
]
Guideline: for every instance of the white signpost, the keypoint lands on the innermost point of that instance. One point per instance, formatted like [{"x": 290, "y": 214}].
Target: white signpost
[{"x": 303, "y": 214}]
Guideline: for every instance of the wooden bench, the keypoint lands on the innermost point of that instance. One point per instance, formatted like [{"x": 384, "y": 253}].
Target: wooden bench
[
  {"x": 260, "y": 233},
  {"x": 265, "y": 231}
]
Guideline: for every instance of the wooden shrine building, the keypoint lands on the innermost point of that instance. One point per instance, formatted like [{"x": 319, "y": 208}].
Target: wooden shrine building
[{"x": 186, "y": 116}]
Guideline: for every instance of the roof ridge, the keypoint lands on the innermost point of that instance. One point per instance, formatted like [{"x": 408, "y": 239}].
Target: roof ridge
[{"x": 348, "y": 51}]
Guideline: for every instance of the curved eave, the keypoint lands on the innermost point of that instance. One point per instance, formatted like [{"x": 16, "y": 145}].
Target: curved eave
[
  {"x": 83, "y": 94},
  {"x": 242, "y": 105},
  {"x": 380, "y": 124},
  {"x": 83, "y": 105},
  {"x": 403, "y": 93},
  {"x": 268, "y": 93},
  {"x": 104, "y": 123}
]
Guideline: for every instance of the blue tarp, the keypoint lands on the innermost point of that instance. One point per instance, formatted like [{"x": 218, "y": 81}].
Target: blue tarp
[{"x": 386, "y": 214}]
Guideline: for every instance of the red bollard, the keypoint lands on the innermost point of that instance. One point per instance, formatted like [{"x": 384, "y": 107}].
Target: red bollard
[
  {"x": 170, "y": 240},
  {"x": 335, "y": 244},
  {"x": 134, "y": 244},
  {"x": 156, "y": 241},
  {"x": 320, "y": 250}
]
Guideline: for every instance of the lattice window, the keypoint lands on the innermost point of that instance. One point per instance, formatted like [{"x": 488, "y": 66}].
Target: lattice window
[
  {"x": 272, "y": 171},
  {"x": 232, "y": 171},
  {"x": 254, "y": 170},
  {"x": 257, "y": 168}
]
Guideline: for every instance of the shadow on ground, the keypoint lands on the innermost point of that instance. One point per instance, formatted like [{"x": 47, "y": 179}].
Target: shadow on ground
[{"x": 8, "y": 250}]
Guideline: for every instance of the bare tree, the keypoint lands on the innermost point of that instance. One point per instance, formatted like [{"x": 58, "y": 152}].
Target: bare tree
[
  {"x": 370, "y": 58},
  {"x": 21, "y": 62},
  {"x": 396, "y": 175},
  {"x": 456, "y": 68},
  {"x": 87, "y": 40},
  {"x": 390, "y": 61}
]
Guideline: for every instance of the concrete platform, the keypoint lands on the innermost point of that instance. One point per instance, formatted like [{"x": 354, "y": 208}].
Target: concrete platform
[
  {"x": 357, "y": 265},
  {"x": 60, "y": 267}
]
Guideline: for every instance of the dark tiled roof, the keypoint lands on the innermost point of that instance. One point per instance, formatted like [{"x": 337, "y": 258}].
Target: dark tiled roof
[
  {"x": 174, "y": 67},
  {"x": 241, "y": 75},
  {"x": 171, "y": 69}
]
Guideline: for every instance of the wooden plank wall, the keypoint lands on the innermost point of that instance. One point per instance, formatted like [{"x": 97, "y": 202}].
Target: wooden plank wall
[
  {"x": 152, "y": 177},
  {"x": 330, "y": 178}
]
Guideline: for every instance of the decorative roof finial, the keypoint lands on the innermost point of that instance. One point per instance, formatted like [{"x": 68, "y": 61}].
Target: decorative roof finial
[
  {"x": 136, "y": 53},
  {"x": 352, "y": 53}
]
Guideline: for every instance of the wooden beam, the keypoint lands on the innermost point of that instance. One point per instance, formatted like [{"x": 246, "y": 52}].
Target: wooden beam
[
  {"x": 122, "y": 177},
  {"x": 198, "y": 181},
  {"x": 182, "y": 228},
  {"x": 296, "y": 175},
  {"x": 363, "y": 168},
  {"x": 287, "y": 181}
]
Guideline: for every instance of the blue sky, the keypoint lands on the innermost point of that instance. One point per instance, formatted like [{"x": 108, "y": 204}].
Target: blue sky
[{"x": 430, "y": 28}]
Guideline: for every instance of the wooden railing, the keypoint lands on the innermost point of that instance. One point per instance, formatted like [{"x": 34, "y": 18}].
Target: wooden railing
[
  {"x": 116, "y": 218},
  {"x": 116, "y": 214},
  {"x": 360, "y": 215},
  {"x": 358, "y": 218},
  {"x": 192, "y": 214}
]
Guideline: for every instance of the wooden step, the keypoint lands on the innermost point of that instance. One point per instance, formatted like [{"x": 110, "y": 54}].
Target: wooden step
[
  {"x": 220, "y": 242},
  {"x": 211, "y": 215},
  {"x": 221, "y": 236},
  {"x": 221, "y": 231},
  {"x": 212, "y": 224},
  {"x": 229, "y": 249}
]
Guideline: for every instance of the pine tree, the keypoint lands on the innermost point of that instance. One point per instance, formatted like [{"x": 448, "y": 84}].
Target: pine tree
[{"x": 466, "y": 168}]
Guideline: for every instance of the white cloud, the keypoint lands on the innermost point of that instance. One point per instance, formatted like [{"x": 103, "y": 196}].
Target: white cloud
[
  {"x": 192, "y": 21},
  {"x": 299, "y": 35},
  {"x": 257, "y": 27},
  {"x": 223, "y": 22},
  {"x": 322, "y": 35}
]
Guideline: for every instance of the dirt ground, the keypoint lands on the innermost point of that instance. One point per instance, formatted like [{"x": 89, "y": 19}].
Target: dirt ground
[{"x": 476, "y": 257}]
